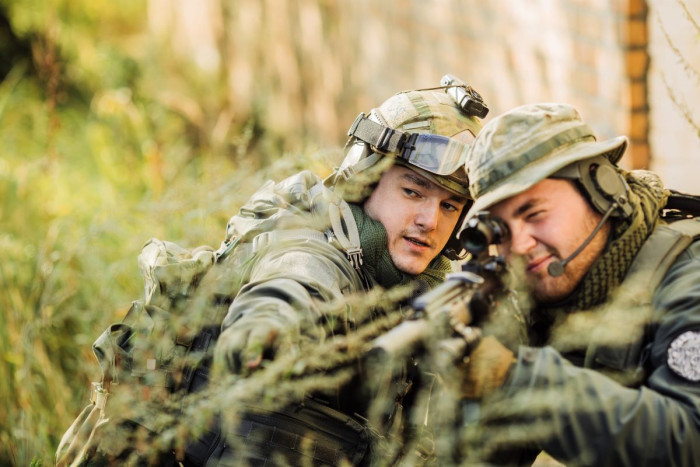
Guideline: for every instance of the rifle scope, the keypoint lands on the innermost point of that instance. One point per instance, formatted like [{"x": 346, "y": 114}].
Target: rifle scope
[{"x": 481, "y": 231}]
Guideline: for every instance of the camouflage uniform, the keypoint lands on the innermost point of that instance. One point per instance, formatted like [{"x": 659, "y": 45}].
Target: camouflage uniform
[
  {"x": 629, "y": 394},
  {"x": 295, "y": 268},
  {"x": 292, "y": 256}
]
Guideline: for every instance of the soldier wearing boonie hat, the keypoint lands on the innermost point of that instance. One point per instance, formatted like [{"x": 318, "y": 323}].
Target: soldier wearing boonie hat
[
  {"x": 622, "y": 379},
  {"x": 540, "y": 141}
]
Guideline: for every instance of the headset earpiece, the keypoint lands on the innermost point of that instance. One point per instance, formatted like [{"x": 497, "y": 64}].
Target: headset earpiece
[
  {"x": 605, "y": 186},
  {"x": 607, "y": 192}
]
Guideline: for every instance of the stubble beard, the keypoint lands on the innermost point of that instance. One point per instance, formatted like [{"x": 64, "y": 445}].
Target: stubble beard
[{"x": 549, "y": 289}]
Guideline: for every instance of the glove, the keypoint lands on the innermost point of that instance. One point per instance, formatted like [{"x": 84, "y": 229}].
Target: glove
[
  {"x": 486, "y": 368},
  {"x": 242, "y": 347}
]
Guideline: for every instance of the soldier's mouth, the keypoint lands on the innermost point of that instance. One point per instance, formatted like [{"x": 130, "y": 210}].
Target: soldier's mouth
[
  {"x": 538, "y": 263},
  {"x": 417, "y": 242}
]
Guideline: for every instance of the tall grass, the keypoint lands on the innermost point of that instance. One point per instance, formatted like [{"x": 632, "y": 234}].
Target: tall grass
[
  {"x": 93, "y": 164},
  {"x": 73, "y": 222},
  {"x": 108, "y": 139}
]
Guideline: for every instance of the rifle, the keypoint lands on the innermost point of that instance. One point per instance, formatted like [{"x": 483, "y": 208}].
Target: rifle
[{"x": 408, "y": 366}]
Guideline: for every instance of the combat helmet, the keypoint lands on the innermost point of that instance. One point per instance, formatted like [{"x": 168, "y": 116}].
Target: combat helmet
[
  {"x": 428, "y": 130},
  {"x": 523, "y": 146}
]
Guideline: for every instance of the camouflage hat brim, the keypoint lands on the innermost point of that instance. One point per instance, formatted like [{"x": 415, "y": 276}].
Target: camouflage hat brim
[{"x": 543, "y": 167}]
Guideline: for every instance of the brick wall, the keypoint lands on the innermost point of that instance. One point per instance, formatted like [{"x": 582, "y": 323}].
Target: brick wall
[
  {"x": 634, "y": 40},
  {"x": 590, "y": 54},
  {"x": 305, "y": 68}
]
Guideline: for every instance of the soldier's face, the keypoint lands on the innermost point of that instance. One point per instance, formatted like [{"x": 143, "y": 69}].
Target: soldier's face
[
  {"x": 418, "y": 215},
  {"x": 548, "y": 222}
]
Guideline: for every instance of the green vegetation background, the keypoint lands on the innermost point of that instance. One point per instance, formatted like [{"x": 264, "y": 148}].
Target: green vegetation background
[
  {"x": 92, "y": 165},
  {"x": 109, "y": 139}
]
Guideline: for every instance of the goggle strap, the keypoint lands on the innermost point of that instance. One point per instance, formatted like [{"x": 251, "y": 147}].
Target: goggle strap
[
  {"x": 380, "y": 137},
  {"x": 346, "y": 232}
]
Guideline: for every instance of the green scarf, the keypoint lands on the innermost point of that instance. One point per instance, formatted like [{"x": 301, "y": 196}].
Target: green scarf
[
  {"x": 647, "y": 197},
  {"x": 377, "y": 261}
]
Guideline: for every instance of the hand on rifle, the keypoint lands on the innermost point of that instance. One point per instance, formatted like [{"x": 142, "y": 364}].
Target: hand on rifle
[
  {"x": 242, "y": 347},
  {"x": 476, "y": 366},
  {"x": 485, "y": 369}
]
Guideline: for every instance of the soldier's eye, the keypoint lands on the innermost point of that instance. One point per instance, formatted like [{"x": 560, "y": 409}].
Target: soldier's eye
[{"x": 450, "y": 207}]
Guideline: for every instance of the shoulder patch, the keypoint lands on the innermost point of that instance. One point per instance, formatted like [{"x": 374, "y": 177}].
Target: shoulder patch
[{"x": 684, "y": 355}]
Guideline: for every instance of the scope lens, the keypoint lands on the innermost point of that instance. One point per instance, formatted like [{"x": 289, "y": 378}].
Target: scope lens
[{"x": 474, "y": 240}]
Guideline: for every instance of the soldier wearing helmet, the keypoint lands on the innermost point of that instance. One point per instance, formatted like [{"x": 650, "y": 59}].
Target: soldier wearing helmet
[
  {"x": 612, "y": 263},
  {"x": 427, "y": 132},
  {"x": 292, "y": 256},
  {"x": 407, "y": 158}
]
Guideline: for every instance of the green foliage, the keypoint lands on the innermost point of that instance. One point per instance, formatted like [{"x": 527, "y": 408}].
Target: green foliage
[{"x": 98, "y": 156}]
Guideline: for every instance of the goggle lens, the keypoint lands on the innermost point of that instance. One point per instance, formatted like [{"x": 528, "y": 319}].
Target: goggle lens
[{"x": 435, "y": 153}]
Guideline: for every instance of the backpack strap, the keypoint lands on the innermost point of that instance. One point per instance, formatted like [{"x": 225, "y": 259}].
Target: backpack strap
[
  {"x": 226, "y": 247},
  {"x": 659, "y": 252},
  {"x": 632, "y": 303},
  {"x": 343, "y": 226},
  {"x": 346, "y": 232}
]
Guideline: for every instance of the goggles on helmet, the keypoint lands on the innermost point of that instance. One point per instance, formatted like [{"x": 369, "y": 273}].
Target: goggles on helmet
[{"x": 436, "y": 154}]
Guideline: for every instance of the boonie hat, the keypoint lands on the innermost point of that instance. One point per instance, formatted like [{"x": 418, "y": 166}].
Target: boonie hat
[{"x": 523, "y": 146}]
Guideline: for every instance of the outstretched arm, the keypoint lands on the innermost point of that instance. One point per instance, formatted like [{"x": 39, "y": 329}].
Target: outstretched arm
[{"x": 290, "y": 286}]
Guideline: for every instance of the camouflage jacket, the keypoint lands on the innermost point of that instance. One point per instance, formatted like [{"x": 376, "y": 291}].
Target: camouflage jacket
[{"x": 634, "y": 398}]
